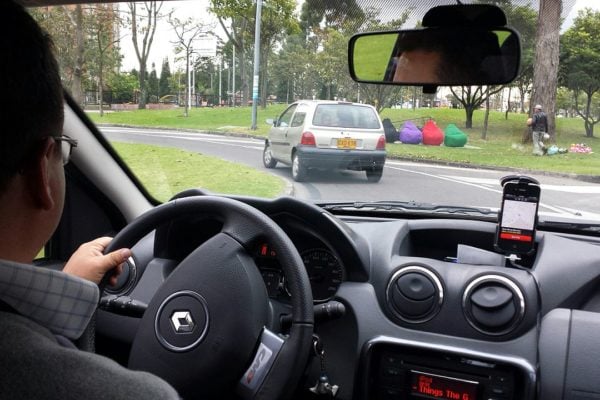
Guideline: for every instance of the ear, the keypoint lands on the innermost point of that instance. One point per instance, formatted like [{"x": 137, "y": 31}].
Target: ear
[{"x": 39, "y": 174}]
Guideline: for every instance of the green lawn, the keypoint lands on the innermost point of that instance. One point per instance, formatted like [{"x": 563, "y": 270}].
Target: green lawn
[
  {"x": 501, "y": 148},
  {"x": 165, "y": 171},
  {"x": 224, "y": 119}
]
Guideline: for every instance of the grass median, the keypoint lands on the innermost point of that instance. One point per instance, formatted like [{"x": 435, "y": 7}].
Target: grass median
[
  {"x": 501, "y": 148},
  {"x": 219, "y": 119},
  {"x": 165, "y": 171}
]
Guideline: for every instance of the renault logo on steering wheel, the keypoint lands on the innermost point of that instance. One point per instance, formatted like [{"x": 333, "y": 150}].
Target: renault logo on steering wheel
[{"x": 183, "y": 322}]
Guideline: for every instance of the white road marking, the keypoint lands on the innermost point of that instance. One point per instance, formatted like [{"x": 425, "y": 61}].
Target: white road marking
[
  {"x": 200, "y": 137},
  {"x": 433, "y": 166},
  {"x": 476, "y": 185},
  {"x": 580, "y": 189}
]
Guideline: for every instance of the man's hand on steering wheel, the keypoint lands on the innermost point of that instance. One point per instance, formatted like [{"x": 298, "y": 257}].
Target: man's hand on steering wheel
[{"x": 89, "y": 261}]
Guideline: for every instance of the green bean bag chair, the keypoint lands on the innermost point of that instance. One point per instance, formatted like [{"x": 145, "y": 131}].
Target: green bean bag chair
[{"x": 454, "y": 137}]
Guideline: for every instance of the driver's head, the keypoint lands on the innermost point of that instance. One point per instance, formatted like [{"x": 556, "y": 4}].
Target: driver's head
[
  {"x": 31, "y": 115},
  {"x": 444, "y": 56},
  {"x": 32, "y": 98}
]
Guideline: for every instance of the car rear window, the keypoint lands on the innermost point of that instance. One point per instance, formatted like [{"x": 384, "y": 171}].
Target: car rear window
[{"x": 346, "y": 116}]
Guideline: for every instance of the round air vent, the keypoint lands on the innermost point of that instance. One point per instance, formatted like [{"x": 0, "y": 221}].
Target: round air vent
[
  {"x": 493, "y": 304},
  {"x": 414, "y": 294}
]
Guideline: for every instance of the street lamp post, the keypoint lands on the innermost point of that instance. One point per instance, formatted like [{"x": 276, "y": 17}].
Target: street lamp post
[{"x": 256, "y": 63}]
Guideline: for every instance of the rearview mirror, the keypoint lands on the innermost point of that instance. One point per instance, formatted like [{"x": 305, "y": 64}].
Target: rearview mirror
[{"x": 441, "y": 56}]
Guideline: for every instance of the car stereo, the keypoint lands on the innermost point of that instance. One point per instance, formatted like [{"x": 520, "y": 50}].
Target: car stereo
[{"x": 402, "y": 372}]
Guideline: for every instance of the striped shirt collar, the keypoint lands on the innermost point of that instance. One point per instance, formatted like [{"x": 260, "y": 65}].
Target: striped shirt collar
[{"x": 60, "y": 302}]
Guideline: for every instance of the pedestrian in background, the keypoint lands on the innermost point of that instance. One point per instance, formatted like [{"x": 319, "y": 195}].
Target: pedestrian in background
[{"x": 539, "y": 125}]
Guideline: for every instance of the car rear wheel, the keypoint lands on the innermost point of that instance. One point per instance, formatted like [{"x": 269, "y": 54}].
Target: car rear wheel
[
  {"x": 299, "y": 170},
  {"x": 374, "y": 175},
  {"x": 268, "y": 159}
]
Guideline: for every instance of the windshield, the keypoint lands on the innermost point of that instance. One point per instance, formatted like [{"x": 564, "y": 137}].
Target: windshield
[
  {"x": 346, "y": 116},
  {"x": 191, "y": 98}
]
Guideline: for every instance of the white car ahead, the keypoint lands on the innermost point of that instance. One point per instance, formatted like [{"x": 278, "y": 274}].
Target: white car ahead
[{"x": 327, "y": 135}]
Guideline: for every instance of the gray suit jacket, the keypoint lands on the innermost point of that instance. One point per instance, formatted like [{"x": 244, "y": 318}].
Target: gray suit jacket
[{"x": 33, "y": 365}]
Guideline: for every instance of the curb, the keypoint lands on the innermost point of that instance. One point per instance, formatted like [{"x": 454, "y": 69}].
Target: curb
[{"x": 579, "y": 177}]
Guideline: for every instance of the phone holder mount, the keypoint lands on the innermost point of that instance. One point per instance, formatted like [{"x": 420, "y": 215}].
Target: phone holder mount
[{"x": 520, "y": 179}]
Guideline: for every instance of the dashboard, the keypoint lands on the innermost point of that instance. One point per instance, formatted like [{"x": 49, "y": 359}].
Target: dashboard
[{"x": 418, "y": 322}]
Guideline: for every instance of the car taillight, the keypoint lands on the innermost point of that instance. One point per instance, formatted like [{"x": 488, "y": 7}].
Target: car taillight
[
  {"x": 308, "y": 139},
  {"x": 381, "y": 143}
]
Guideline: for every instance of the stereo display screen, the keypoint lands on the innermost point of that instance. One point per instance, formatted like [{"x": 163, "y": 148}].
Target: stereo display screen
[{"x": 431, "y": 386}]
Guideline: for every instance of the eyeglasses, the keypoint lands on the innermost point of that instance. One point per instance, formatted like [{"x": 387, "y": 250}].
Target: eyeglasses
[{"x": 66, "y": 147}]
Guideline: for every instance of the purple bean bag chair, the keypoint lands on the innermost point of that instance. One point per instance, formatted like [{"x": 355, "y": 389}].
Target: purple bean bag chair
[{"x": 410, "y": 134}]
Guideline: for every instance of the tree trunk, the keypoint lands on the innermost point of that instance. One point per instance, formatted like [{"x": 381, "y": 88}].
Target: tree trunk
[
  {"x": 243, "y": 77},
  {"x": 486, "y": 118},
  {"x": 188, "y": 100},
  {"x": 507, "y": 103},
  {"x": 101, "y": 86},
  {"x": 263, "y": 79},
  {"x": 76, "y": 86},
  {"x": 589, "y": 124},
  {"x": 589, "y": 129},
  {"x": 545, "y": 69},
  {"x": 522, "y": 99},
  {"x": 469, "y": 110},
  {"x": 143, "y": 88}
]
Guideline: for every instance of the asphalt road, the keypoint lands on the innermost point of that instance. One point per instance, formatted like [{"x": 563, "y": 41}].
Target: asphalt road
[{"x": 402, "y": 181}]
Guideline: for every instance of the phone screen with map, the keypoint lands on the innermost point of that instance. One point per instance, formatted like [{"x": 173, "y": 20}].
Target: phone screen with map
[{"x": 518, "y": 218}]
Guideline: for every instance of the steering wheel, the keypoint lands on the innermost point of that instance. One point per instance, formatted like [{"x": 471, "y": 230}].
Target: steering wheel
[{"x": 205, "y": 330}]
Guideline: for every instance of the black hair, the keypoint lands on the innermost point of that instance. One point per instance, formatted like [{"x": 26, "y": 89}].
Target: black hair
[
  {"x": 31, "y": 96},
  {"x": 461, "y": 51}
]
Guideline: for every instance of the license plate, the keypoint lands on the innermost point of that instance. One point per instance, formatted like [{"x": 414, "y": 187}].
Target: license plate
[{"x": 346, "y": 143}]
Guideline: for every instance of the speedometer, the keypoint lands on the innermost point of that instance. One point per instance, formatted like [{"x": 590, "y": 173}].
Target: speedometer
[{"x": 324, "y": 271}]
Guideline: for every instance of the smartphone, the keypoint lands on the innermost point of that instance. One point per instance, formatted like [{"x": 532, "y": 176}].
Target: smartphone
[{"x": 517, "y": 220}]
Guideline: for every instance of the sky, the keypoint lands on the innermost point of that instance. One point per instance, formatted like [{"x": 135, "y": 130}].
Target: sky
[{"x": 197, "y": 9}]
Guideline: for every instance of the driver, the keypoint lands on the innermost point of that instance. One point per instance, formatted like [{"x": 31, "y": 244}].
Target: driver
[
  {"x": 42, "y": 310},
  {"x": 435, "y": 56}
]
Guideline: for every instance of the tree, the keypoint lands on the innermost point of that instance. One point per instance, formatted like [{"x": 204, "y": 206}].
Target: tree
[
  {"x": 332, "y": 62},
  {"x": 472, "y": 97},
  {"x": 333, "y": 15},
  {"x": 123, "y": 86},
  {"x": 153, "y": 88},
  {"x": 164, "y": 81},
  {"x": 545, "y": 67},
  {"x": 580, "y": 63},
  {"x": 235, "y": 17},
  {"x": 75, "y": 17},
  {"x": 66, "y": 26},
  {"x": 276, "y": 21},
  {"x": 103, "y": 43},
  {"x": 565, "y": 100},
  {"x": 292, "y": 79},
  {"x": 187, "y": 32},
  {"x": 142, "y": 20},
  {"x": 523, "y": 19}
]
